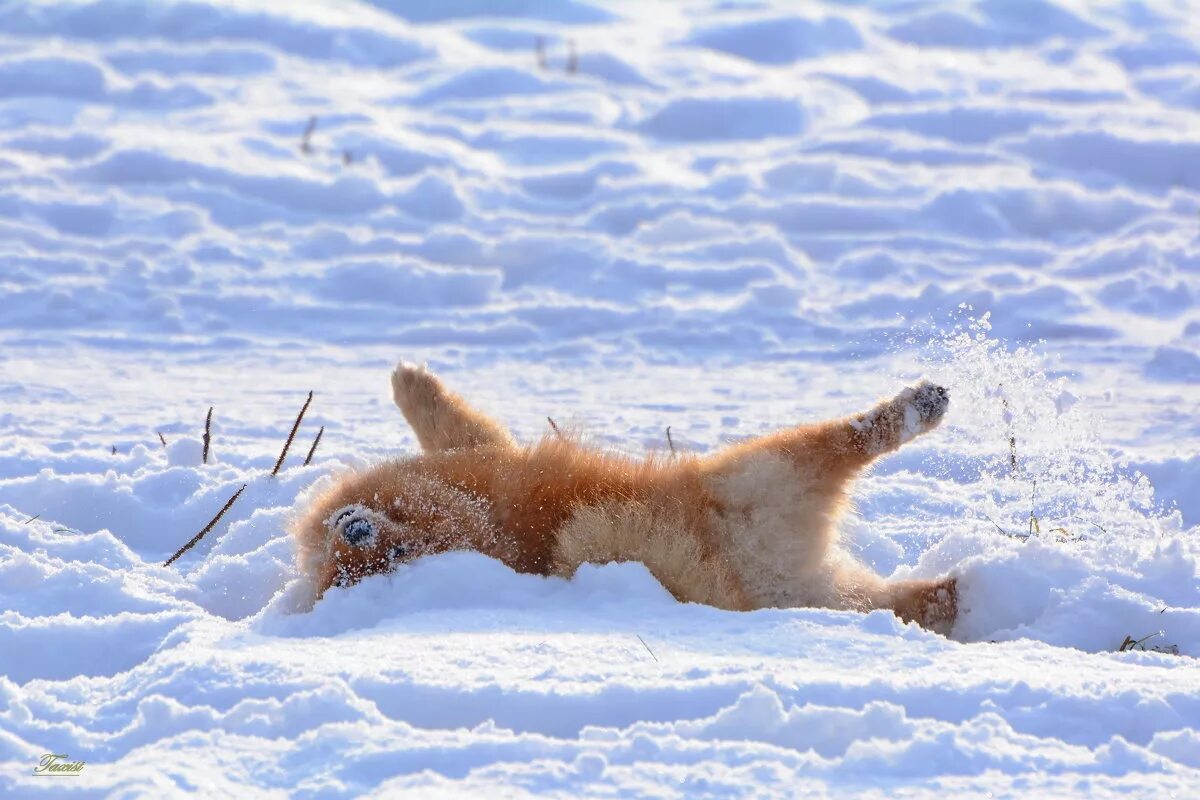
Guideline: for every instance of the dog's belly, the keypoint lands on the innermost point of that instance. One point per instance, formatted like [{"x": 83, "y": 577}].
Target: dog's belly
[{"x": 776, "y": 527}]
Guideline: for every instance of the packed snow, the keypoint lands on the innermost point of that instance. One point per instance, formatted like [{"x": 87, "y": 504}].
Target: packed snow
[{"x": 722, "y": 218}]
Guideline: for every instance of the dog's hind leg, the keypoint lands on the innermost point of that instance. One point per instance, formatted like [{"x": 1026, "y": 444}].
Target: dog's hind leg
[
  {"x": 441, "y": 419},
  {"x": 932, "y": 604}
]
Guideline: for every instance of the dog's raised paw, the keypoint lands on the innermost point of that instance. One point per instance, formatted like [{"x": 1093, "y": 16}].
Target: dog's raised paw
[{"x": 413, "y": 385}]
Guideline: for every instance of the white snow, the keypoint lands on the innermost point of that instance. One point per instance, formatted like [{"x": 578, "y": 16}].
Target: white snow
[{"x": 723, "y": 219}]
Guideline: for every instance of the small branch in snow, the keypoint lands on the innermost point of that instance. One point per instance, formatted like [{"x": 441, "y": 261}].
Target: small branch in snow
[
  {"x": 553, "y": 425},
  {"x": 1022, "y": 537},
  {"x": 313, "y": 449},
  {"x": 1012, "y": 437},
  {"x": 162, "y": 439},
  {"x": 212, "y": 524},
  {"x": 1140, "y": 644},
  {"x": 35, "y": 516},
  {"x": 1065, "y": 535},
  {"x": 207, "y": 434},
  {"x": 670, "y": 441},
  {"x": 306, "y": 137},
  {"x": 1034, "y": 527},
  {"x": 648, "y": 650},
  {"x": 291, "y": 436},
  {"x": 572, "y": 58}
]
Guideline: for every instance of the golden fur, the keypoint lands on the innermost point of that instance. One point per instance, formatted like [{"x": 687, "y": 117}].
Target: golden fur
[{"x": 753, "y": 526}]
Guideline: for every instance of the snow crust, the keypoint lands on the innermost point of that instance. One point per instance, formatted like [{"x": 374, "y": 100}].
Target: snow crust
[{"x": 714, "y": 217}]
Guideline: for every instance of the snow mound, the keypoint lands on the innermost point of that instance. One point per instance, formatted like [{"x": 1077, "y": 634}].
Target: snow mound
[{"x": 780, "y": 41}]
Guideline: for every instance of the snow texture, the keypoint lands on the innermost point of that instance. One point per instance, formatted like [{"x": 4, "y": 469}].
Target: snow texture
[{"x": 715, "y": 217}]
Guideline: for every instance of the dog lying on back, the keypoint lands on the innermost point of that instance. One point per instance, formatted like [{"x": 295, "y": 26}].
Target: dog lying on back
[{"x": 751, "y": 526}]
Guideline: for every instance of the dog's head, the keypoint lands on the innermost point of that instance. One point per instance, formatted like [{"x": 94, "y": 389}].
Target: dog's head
[{"x": 369, "y": 521}]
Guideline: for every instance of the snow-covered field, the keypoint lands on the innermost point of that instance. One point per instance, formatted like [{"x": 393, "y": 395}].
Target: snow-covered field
[{"x": 717, "y": 218}]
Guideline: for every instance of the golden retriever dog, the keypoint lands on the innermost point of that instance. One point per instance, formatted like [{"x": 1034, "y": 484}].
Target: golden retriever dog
[{"x": 754, "y": 525}]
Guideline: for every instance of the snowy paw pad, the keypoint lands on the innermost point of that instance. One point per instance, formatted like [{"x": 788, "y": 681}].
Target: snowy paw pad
[{"x": 930, "y": 401}]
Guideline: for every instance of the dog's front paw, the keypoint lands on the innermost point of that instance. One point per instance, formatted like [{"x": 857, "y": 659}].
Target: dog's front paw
[{"x": 409, "y": 381}]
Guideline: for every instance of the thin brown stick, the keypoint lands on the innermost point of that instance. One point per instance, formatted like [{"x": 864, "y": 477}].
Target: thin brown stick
[
  {"x": 553, "y": 425},
  {"x": 313, "y": 449},
  {"x": 292, "y": 435},
  {"x": 35, "y": 516},
  {"x": 670, "y": 441},
  {"x": 162, "y": 438},
  {"x": 212, "y": 524},
  {"x": 207, "y": 433}
]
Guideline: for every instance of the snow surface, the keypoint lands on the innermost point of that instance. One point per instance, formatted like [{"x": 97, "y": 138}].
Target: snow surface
[{"x": 724, "y": 218}]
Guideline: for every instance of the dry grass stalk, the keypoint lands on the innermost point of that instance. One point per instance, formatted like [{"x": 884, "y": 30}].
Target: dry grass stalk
[
  {"x": 313, "y": 449},
  {"x": 553, "y": 425},
  {"x": 207, "y": 433},
  {"x": 292, "y": 435},
  {"x": 1130, "y": 644},
  {"x": 212, "y": 524},
  {"x": 572, "y": 58},
  {"x": 670, "y": 441},
  {"x": 648, "y": 650},
  {"x": 306, "y": 137},
  {"x": 162, "y": 438},
  {"x": 1012, "y": 437}
]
